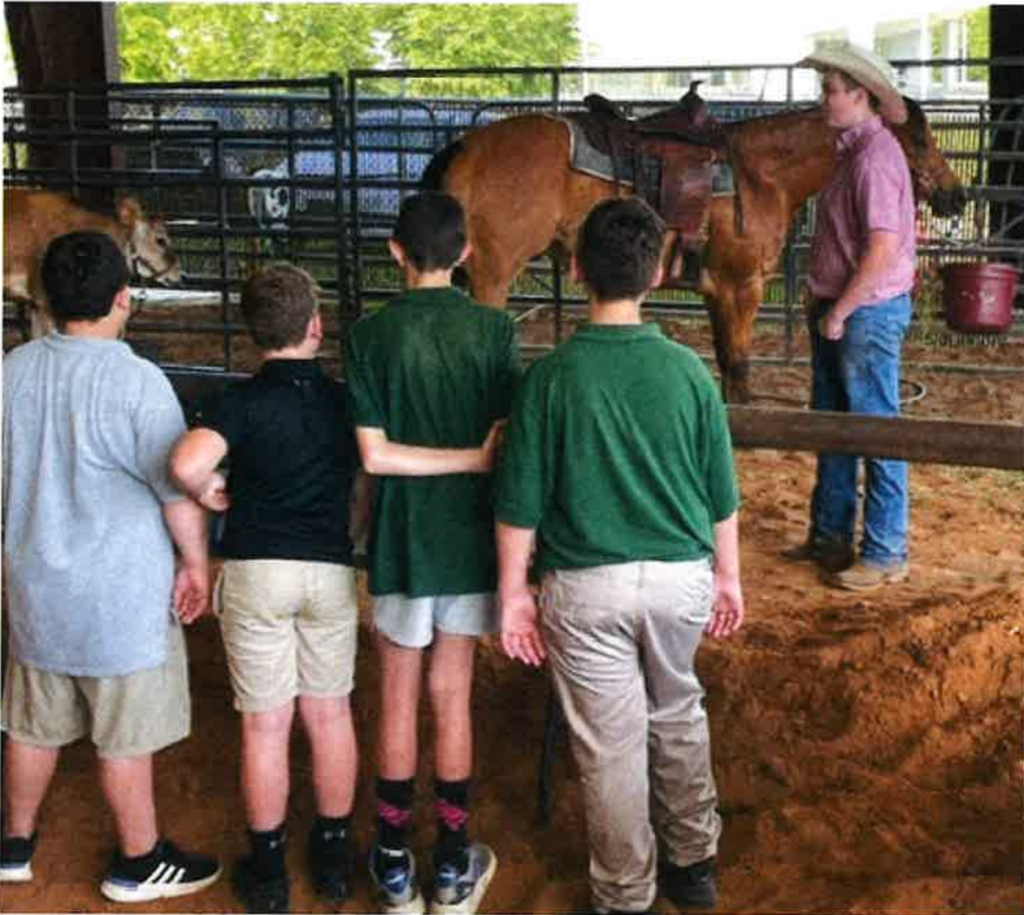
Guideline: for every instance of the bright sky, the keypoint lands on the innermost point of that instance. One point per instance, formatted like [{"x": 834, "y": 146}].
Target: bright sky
[{"x": 652, "y": 32}]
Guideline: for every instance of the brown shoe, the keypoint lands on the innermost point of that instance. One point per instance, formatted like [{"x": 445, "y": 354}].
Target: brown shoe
[
  {"x": 830, "y": 555},
  {"x": 861, "y": 577}
]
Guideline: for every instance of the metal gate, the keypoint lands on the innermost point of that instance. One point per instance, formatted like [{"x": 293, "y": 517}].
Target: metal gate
[{"x": 314, "y": 171}]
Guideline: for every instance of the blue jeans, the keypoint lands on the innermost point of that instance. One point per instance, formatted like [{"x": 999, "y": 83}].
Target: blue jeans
[{"x": 860, "y": 373}]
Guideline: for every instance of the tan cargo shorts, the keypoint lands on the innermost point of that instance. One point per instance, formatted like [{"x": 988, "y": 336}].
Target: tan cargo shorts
[
  {"x": 131, "y": 715},
  {"x": 290, "y": 629}
]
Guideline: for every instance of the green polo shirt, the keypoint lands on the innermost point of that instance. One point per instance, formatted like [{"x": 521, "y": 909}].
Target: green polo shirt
[
  {"x": 432, "y": 368},
  {"x": 618, "y": 450}
]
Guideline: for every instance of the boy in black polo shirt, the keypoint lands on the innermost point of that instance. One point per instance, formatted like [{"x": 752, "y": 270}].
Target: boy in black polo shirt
[
  {"x": 618, "y": 460},
  {"x": 433, "y": 369},
  {"x": 287, "y": 594}
]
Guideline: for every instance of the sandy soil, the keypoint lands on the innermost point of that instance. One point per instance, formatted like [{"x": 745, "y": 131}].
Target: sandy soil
[{"x": 868, "y": 749}]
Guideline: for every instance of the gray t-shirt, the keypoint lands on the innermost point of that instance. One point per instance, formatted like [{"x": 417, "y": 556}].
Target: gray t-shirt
[{"x": 88, "y": 559}]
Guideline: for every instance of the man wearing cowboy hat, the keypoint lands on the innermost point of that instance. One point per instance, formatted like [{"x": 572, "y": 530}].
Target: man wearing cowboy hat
[{"x": 861, "y": 273}]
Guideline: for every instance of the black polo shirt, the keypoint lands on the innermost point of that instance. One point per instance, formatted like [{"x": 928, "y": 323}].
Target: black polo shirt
[{"x": 293, "y": 457}]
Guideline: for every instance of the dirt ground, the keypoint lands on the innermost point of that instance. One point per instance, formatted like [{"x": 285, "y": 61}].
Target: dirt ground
[{"x": 867, "y": 748}]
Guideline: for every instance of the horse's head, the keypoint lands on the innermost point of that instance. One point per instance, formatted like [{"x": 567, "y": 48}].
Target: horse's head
[
  {"x": 149, "y": 250},
  {"x": 934, "y": 180}
]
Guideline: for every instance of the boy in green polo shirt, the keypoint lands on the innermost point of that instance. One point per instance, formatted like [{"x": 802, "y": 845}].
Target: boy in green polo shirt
[
  {"x": 618, "y": 462},
  {"x": 432, "y": 371}
]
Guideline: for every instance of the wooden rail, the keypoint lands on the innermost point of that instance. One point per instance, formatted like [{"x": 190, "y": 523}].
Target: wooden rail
[{"x": 930, "y": 441}]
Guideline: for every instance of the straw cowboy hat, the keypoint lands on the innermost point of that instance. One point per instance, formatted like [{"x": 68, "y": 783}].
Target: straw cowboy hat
[{"x": 873, "y": 72}]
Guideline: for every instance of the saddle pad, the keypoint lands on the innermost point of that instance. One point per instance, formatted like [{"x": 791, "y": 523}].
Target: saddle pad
[{"x": 585, "y": 158}]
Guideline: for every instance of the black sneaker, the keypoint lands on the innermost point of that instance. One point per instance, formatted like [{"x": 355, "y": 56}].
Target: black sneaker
[
  {"x": 330, "y": 861},
  {"x": 165, "y": 871},
  {"x": 260, "y": 893},
  {"x": 16, "y": 858},
  {"x": 690, "y": 887}
]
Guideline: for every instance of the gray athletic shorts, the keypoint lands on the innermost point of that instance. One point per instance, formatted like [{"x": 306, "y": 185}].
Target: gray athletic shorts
[{"x": 411, "y": 621}]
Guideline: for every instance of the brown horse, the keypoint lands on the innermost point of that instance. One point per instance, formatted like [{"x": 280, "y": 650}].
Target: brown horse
[{"x": 522, "y": 198}]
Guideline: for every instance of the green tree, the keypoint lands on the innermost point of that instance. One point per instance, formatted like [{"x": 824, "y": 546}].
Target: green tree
[
  {"x": 199, "y": 41},
  {"x": 425, "y": 36}
]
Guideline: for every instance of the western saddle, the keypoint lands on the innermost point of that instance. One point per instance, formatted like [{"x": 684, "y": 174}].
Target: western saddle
[{"x": 667, "y": 157}]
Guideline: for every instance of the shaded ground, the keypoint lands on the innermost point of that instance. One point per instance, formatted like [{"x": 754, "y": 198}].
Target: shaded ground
[{"x": 868, "y": 749}]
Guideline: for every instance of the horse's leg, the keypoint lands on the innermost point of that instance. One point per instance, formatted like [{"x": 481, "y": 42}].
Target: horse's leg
[
  {"x": 491, "y": 272},
  {"x": 733, "y": 309},
  {"x": 749, "y": 297}
]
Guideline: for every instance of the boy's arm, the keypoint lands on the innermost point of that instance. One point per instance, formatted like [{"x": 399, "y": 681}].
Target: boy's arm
[
  {"x": 360, "y": 510},
  {"x": 193, "y": 465},
  {"x": 728, "y": 611},
  {"x": 187, "y": 523},
  {"x": 520, "y": 635},
  {"x": 383, "y": 457}
]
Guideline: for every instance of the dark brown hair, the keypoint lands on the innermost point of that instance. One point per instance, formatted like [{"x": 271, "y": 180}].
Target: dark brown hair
[
  {"x": 277, "y": 304},
  {"x": 619, "y": 249}
]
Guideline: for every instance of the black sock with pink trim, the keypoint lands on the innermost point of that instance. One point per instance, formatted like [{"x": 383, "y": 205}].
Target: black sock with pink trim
[
  {"x": 394, "y": 812},
  {"x": 451, "y": 802}
]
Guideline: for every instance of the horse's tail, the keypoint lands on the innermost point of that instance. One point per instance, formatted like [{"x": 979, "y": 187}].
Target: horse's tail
[{"x": 433, "y": 175}]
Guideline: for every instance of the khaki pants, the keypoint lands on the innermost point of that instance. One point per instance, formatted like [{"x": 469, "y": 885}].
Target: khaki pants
[{"x": 621, "y": 641}]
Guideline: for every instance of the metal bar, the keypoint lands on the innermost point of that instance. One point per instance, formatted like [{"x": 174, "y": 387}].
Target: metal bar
[
  {"x": 353, "y": 172},
  {"x": 347, "y": 309},
  {"x": 222, "y": 209}
]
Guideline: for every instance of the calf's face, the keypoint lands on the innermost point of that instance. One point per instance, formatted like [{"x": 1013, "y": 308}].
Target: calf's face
[{"x": 149, "y": 250}]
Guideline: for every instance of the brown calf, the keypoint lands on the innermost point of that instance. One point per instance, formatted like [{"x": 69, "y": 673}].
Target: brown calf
[{"x": 33, "y": 218}]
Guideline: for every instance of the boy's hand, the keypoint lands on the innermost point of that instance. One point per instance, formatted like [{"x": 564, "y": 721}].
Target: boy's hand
[
  {"x": 727, "y": 616},
  {"x": 520, "y": 635},
  {"x": 492, "y": 445},
  {"x": 191, "y": 591},
  {"x": 214, "y": 495}
]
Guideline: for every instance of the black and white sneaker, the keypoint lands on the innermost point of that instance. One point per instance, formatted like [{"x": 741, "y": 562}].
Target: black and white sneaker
[
  {"x": 165, "y": 871},
  {"x": 16, "y": 858}
]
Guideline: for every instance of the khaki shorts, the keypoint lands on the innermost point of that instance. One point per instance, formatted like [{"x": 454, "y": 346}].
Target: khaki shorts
[
  {"x": 133, "y": 715},
  {"x": 289, "y": 628}
]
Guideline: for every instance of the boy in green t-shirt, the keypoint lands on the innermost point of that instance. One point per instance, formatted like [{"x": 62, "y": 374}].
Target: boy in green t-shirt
[
  {"x": 431, "y": 372},
  {"x": 618, "y": 463}
]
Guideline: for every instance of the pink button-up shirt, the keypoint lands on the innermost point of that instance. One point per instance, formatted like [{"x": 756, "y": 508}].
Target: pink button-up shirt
[{"x": 870, "y": 191}]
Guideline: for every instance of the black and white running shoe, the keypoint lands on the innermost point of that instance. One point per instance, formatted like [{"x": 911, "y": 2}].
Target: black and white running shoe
[
  {"x": 165, "y": 871},
  {"x": 16, "y": 858}
]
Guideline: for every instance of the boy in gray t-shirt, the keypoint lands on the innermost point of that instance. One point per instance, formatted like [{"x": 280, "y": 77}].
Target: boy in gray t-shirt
[{"x": 90, "y": 523}]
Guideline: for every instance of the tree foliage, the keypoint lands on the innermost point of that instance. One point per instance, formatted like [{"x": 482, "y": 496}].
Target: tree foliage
[{"x": 197, "y": 41}]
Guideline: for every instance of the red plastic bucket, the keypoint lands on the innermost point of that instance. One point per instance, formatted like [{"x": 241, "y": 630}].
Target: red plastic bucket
[{"x": 978, "y": 298}]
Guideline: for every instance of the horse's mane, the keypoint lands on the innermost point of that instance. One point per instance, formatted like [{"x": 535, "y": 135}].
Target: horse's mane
[{"x": 772, "y": 118}]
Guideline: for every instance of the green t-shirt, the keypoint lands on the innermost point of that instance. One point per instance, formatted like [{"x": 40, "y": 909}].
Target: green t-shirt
[
  {"x": 432, "y": 368},
  {"x": 618, "y": 450}
]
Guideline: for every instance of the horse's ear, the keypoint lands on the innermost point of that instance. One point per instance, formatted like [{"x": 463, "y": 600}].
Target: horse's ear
[{"x": 128, "y": 212}]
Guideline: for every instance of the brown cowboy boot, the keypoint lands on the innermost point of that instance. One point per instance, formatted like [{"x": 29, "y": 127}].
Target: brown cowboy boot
[
  {"x": 862, "y": 577},
  {"x": 830, "y": 556}
]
